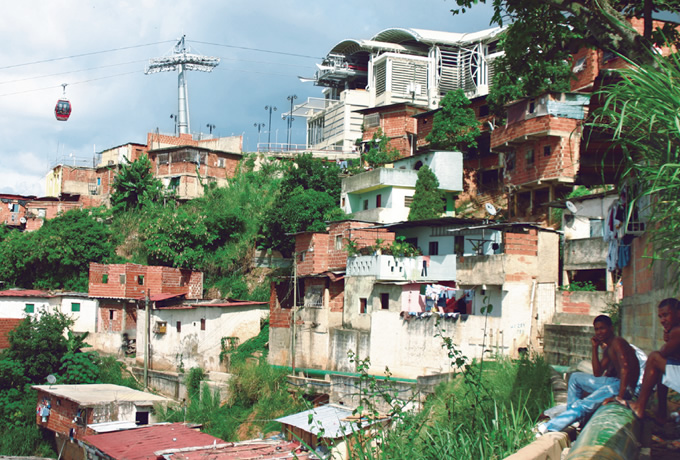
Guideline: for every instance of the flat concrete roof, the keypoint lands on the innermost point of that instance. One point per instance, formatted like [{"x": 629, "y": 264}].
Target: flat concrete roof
[{"x": 95, "y": 394}]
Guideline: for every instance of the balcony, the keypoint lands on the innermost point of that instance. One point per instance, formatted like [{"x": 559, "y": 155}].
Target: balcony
[
  {"x": 390, "y": 268},
  {"x": 378, "y": 178},
  {"x": 585, "y": 254}
]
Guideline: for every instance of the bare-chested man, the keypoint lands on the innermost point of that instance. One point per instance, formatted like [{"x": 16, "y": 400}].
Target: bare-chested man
[
  {"x": 616, "y": 374},
  {"x": 663, "y": 366}
]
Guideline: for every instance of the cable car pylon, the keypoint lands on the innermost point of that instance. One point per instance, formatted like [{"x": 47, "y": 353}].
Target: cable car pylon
[{"x": 182, "y": 60}]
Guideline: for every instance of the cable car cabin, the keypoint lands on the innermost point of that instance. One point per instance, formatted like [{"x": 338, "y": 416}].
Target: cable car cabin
[{"x": 62, "y": 110}]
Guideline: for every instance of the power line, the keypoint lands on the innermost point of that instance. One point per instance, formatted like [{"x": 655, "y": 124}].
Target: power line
[
  {"x": 70, "y": 84},
  {"x": 18, "y": 80},
  {"x": 83, "y": 54},
  {"x": 254, "y": 49}
]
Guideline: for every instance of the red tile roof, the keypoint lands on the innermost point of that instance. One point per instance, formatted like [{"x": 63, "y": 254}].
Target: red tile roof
[{"x": 141, "y": 443}]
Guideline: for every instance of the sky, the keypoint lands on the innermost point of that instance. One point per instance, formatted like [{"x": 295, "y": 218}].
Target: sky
[{"x": 100, "y": 49}]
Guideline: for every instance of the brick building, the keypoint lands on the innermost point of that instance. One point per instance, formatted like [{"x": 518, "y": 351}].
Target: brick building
[
  {"x": 121, "y": 290},
  {"x": 13, "y": 210},
  {"x": 73, "y": 411}
]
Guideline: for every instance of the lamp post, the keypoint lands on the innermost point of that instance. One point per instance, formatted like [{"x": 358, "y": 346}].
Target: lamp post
[
  {"x": 259, "y": 127},
  {"x": 173, "y": 117},
  {"x": 210, "y": 127},
  {"x": 290, "y": 118},
  {"x": 269, "y": 137}
]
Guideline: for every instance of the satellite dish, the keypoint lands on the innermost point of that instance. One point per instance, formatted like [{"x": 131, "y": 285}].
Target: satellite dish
[
  {"x": 490, "y": 209},
  {"x": 51, "y": 379},
  {"x": 571, "y": 207},
  {"x": 22, "y": 220}
]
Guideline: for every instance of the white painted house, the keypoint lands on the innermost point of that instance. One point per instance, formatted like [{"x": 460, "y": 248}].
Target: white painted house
[
  {"x": 16, "y": 304},
  {"x": 190, "y": 334},
  {"x": 385, "y": 194}
]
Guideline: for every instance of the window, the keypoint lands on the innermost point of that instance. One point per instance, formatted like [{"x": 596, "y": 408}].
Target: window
[
  {"x": 42, "y": 212},
  {"x": 546, "y": 151},
  {"x": 434, "y": 248},
  {"x": 532, "y": 105},
  {"x": 203, "y": 324},
  {"x": 99, "y": 181},
  {"x": 510, "y": 161},
  {"x": 596, "y": 226},
  {"x": 365, "y": 205},
  {"x": 121, "y": 278},
  {"x": 385, "y": 301},
  {"x": 75, "y": 306},
  {"x": 459, "y": 245},
  {"x": 529, "y": 157},
  {"x": 179, "y": 326},
  {"x": 112, "y": 314},
  {"x": 378, "y": 201},
  {"x": 343, "y": 202},
  {"x": 142, "y": 418},
  {"x": 140, "y": 280},
  {"x": 105, "y": 278},
  {"x": 371, "y": 120},
  {"x": 221, "y": 163},
  {"x": 338, "y": 242},
  {"x": 30, "y": 308},
  {"x": 363, "y": 303},
  {"x": 174, "y": 183},
  {"x": 408, "y": 201}
]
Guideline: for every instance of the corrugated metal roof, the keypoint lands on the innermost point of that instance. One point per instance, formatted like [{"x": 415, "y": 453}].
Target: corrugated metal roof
[
  {"x": 255, "y": 449},
  {"x": 24, "y": 293},
  {"x": 329, "y": 421},
  {"x": 94, "y": 394},
  {"x": 141, "y": 443}
]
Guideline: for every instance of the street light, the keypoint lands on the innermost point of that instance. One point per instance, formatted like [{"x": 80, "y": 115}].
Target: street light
[
  {"x": 290, "y": 118},
  {"x": 174, "y": 118},
  {"x": 259, "y": 127},
  {"x": 269, "y": 138},
  {"x": 210, "y": 126}
]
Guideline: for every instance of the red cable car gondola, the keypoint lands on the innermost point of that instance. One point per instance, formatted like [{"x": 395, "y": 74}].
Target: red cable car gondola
[{"x": 63, "y": 108}]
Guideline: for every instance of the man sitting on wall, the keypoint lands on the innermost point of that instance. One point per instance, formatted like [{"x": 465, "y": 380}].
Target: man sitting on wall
[
  {"x": 616, "y": 374},
  {"x": 663, "y": 366}
]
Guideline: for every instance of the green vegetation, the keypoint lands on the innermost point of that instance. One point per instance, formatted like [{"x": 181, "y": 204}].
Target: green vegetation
[
  {"x": 428, "y": 200},
  {"x": 379, "y": 152},
  {"x": 455, "y": 126},
  {"x": 38, "y": 347},
  {"x": 135, "y": 186},
  {"x": 579, "y": 286},
  {"x": 640, "y": 112}
]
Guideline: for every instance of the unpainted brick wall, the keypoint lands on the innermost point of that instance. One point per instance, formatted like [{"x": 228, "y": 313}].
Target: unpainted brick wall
[{"x": 6, "y": 325}]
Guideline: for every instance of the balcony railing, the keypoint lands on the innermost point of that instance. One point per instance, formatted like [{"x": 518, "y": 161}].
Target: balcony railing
[{"x": 391, "y": 268}]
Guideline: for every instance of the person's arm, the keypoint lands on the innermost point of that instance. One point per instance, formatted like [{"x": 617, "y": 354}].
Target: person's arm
[
  {"x": 623, "y": 366},
  {"x": 598, "y": 366},
  {"x": 672, "y": 345}
]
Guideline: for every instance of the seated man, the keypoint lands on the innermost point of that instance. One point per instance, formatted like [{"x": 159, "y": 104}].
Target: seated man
[
  {"x": 663, "y": 366},
  {"x": 616, "y": 374}
]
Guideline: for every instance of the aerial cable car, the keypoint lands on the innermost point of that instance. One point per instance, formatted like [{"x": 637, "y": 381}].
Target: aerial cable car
[{"x": 63, "y": 108}]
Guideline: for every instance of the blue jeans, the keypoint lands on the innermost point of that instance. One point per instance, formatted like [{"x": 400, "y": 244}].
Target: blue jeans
[{"x": 580, "y": 407}]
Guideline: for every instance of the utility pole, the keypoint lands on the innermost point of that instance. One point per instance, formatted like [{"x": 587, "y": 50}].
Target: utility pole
[
  {"x": 259, "y": 127},
  {"x": 292, "y": 352},
  {"x": 147, "y": 325}
]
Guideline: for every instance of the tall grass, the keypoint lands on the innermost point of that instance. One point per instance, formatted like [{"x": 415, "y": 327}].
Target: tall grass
[{"x": 458, "y": 424}]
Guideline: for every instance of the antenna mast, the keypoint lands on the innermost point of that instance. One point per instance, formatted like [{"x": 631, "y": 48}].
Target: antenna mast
[{"x": 182, "y": 60}]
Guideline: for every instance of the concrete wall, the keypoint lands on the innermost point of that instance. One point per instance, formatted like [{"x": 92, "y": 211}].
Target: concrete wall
[
  {"x": 584, "y": 302},
  {"x": 191, "y": 345},
  {"x": 567, "y": 345}
]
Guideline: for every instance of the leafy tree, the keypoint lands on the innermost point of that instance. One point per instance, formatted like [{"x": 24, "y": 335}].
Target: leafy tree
[
  {"x": 380, "y": 152},
  {"x": 37, "y": 344},
  {"x": 542, "y": 35},
  {"x": 308, "y": 197},
  {"x": 57, "y": 256},
  {"x": 135, "y": 186},
  {"x": 428, "y": 199},
  {"x": 455, "y": 126}
]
